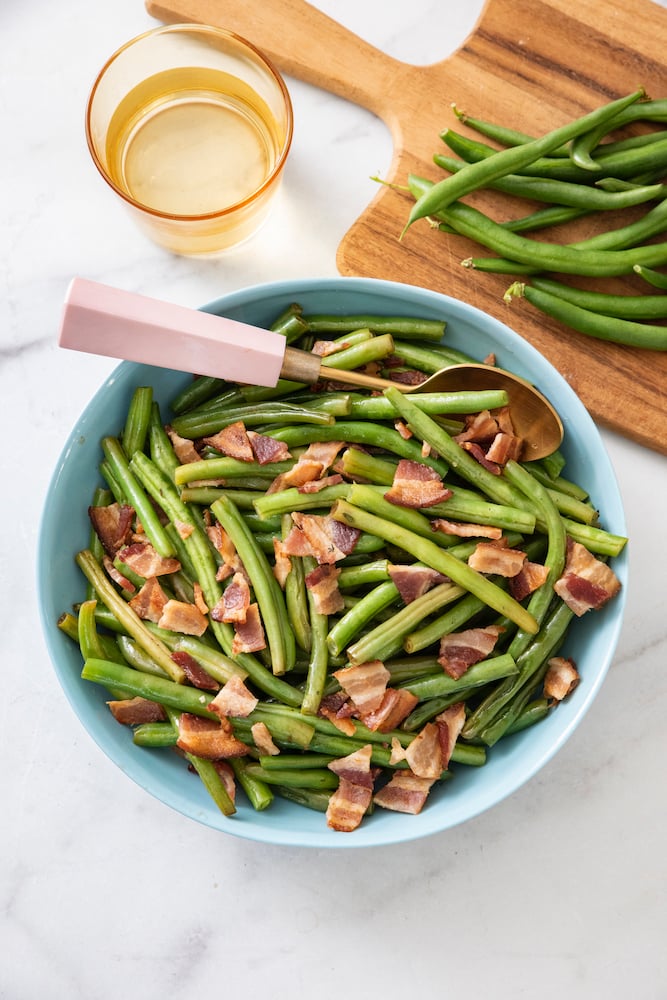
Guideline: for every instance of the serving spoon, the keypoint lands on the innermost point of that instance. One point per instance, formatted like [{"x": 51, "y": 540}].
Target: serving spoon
[{"x": 99, "y": 319}]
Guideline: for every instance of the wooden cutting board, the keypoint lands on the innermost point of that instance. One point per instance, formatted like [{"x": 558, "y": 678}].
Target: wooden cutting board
[{"x": 532, "y": 64}]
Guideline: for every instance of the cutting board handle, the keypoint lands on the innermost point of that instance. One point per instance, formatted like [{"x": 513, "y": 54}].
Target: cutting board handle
[{"x": 302, "y": 41}]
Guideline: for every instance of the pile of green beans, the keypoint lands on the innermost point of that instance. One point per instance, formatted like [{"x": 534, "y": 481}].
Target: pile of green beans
[
  {"x": 587, "y": 167},
  {"x": 534, "y": 504}
]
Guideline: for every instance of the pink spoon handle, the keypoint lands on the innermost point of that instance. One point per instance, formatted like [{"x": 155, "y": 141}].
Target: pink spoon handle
[{"x": 98, "y": 319}]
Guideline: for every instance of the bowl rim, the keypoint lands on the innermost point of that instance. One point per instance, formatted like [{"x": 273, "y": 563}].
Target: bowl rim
[{"x": 431, "y": 821}]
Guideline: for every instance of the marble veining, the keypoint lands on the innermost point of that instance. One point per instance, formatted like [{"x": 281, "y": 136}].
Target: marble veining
[{"x": 559, "y": 891}]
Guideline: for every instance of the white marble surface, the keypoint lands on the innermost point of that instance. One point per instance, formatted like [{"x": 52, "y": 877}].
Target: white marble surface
[{"x": 560, "y": 891}]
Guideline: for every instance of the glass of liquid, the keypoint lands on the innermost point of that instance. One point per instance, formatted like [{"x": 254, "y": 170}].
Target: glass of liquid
[{"x": 191, "y": 126}]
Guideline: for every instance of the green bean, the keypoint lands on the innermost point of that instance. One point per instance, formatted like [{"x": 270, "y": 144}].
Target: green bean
[
  {"x": 287, "y": 777},
  {"x": 565, "y": 193},
  {"x": 319, "y": 659},
  {"x": 196, "y": 392},
  {"x": 654, "y": 278},
  {"x": 361, "y": 432},
  {"x": 583, "y": 145},
  {"x": 592, "y": 324},
  {"x": 448, "y": 622},
  {"x": 502, "y": 134},
  {"x": 465, "y": 505},
  {"x": 373, "y": 501},
  {"x": 467, "y": 401},
  {"x": 403, "y": 326},
  {"x": 309, "y": 798},
  {"x": 352, "y": 577},
  {"x": 257, "y": 791},
  {"x": 130, "y": 621},
  {"x": 555, "y": 482},
  {"x": 202, "y": 423},
  {"x": 227, "y": 468},
  {"x": 154, "y": 735},
  {"x": 635, "y": 307},
  {"x": 296, "y": 597},
  {"x": 354, "y": 620},
  {"x": 137, "y": 684},
  {"x": 279, "y": 634},
  {"x": 358, "y": 355},
  {"x": 137, "y": 422},
  {"x": 290, "y": 323},
  {"x": 287, "y": 501},
  {"x": 137, "y": 497},
  {"x": 428, "y": 359},
  {"x": 206, "y": 495},
  {"x": 479, "y": 674},
  {"x": 507, "y": 161},
  {"x": 438, "y": 559},
  {"x": 596, "y": 540},
  {"x": 160, "y": 447},
  {"x": 531, "y": 713}
]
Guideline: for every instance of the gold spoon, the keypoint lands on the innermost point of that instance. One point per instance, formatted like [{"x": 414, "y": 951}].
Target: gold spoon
[{"x": 99, "y": 319}]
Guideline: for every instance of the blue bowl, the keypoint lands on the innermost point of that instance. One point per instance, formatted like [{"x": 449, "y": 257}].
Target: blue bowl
[{"x": 65, "y": 530}]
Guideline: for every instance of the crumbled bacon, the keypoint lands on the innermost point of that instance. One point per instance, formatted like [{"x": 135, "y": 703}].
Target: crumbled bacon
[
  {"x": 405, "y": 793},
  {"x": 232, "y": 441},
  {"x": 178, "y": 616},
  {"x": 283, "y": 564},
  {"x": 207, "y": 738},
  {"x": 112, "y": 525},
  {"x": 429, "y": 753},
  {"x": 403, "y": 429},
  {"x": 315, "y": 485},
  {"x": 235, "y": 601},
  {"x": 320, "y": 536},
  {"x": 311, "y": 465},
  {"x": 234, "y": 699},
  {"x": 249, "y": 635},
  {"x": 365, "y": 684},
  {"x": 395, "y": 706},
  {"x": 479, "y": 455},
  {"x": 349, "y": 802},
  {"x": 324, "y": 348},
  {"x": 408, "y": 377},
  {"x": 263, "y": 740},
  {"x": 322, "y": 582},
  {"x": 266, "y": 449},
  {"x": 194, "y": 671},
  {"x": 493, "y": 557},
  {"x": 503, "y": 448},
  {"x": 561, "y": 678},
  {"x": 586, "y": 583},
  {"x": 225, "y": 547},
  {"x": 198, "y": 597},
  {"x": 450, "y": 723},
  {"x": 226, "y": 775},
  {"x": 337, "y": 708},
  {"x": 459, "y": 650},
  {"x": 117, "y": 576},
  {"x": 528, "y": 579},
  {"x": 413, "y": 581},
  {"x": 465, "y": 530},
  {"x": 143, "y": 560},
  {"x": 184, "y": 529},
  {"x": 148, "y": 603},
  {"x": 184, "y": 449},
  {"x": 136, "y": 711},
  {"x": 416, "y": 485},
  {"x": 481, "y": 427}
]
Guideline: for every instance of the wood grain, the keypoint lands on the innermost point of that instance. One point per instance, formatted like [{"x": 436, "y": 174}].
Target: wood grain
[{"x": 532, "y": 64}]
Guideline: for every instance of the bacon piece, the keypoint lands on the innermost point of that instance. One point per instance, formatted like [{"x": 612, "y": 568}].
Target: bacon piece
[
  {"x": 586, "y": 583},
  {"x": 232, "y": 441},
  {"x": 194, "y": 671},
  {"x": 143, "y": 560},
  {"x": 416, "y": 485},
  {"x": 480, "y": 427},
  {"x": 365, "y": 684},
  {"x": 324, "y": 348},
  {"x": 320, "y": 536},
  {"x": 395, "y": 706},
  {"x": 491, "y": 557},
  {"x": 184, "y": 529},
  {"x": 234, "y": 699},
  {"x": 405, "y": 793},
  {"x": 249, "y": 635},
  {"x": 337, "y": 708},
  {"x": 266, "y": 449},
  {"x": 459, "y": 650},
  {"x": 112, "y": 525},
  {"x": 561, "y": 678},
  {"x": 479, "y": 455},
  {"x": 465, "y": 530},
  {"x": 403, "y": 429},
  {"x": 504, "y": 447},
  {"x": 199, "y": 598},
  {"x": 207, "y": 738},
  {"x": 263, "y": 740},
  {"x": 450, "y": 723},
  {"x": 424, "y": 753},
  {"x": 225, "y": 547},
  {"x": 136, "y": 711},
  {"x": 183, "y": 447},
  {"x": 178, "y": 616},
  {"x": 322, "y": 582},
  {"x": 235, "y": 601},
  {"x": 283, "y": 564},
  {"x": 408, "y": 377},
  {"x": 315, "y": 485},
  {"x": 413, "y": 581},
  {"x": 349, "y": 802},
  {"x": 528, "y": 579},
  {"x": 226, "y": 775},
  {"x": 148, "y": 603},
  {"x": 117, "y": 576}
]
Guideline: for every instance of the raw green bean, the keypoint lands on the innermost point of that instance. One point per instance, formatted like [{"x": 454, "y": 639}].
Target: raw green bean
[
  {"x": 583, "y": 145},
  {"x": 634, "y": 307},
  {"x": 507, "y": 161},
  {"x": 654, "y": 278},
  {"x": 592, "y": 324},
  {"x": 502, "y": 134}
]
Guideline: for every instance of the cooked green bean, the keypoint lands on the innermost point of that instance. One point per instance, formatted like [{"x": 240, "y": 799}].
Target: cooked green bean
[
  {"x": 404, "y": 326},
  {"x": 138, "y": 420}
]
